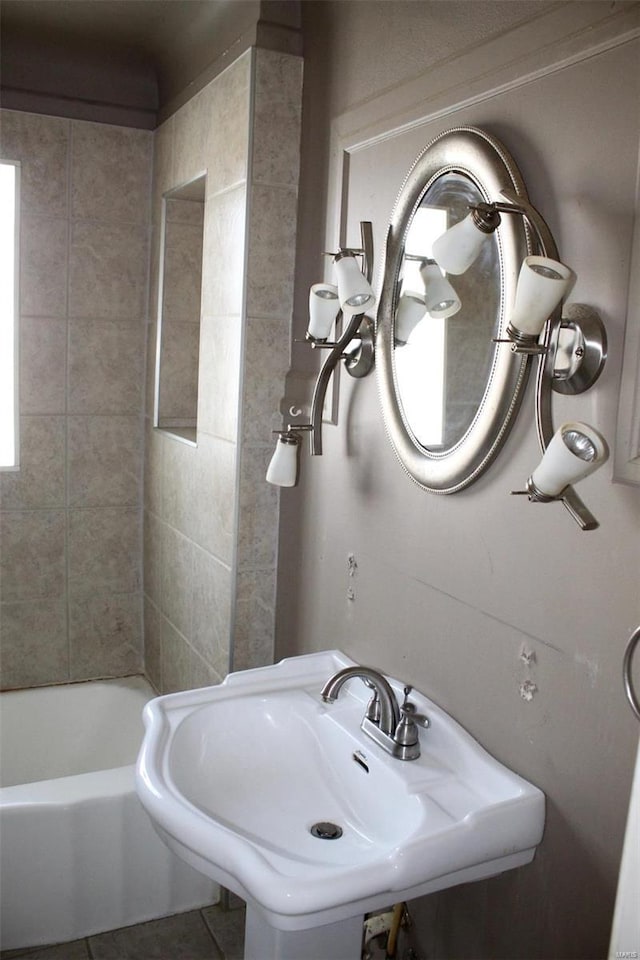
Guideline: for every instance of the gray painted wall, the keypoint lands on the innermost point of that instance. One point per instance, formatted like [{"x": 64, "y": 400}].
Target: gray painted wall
[{"x": 469, "y": 596}]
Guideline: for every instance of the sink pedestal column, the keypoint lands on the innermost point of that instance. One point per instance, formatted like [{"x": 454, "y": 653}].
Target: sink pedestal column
[{"x": 336, "y": 941}]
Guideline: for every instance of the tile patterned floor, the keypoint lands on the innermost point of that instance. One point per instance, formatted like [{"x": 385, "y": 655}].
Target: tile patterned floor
[{"x": 213, "y": 933}]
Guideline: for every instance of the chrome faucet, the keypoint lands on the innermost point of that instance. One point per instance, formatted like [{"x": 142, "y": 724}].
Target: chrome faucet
[{"x": 393, "y": 727}]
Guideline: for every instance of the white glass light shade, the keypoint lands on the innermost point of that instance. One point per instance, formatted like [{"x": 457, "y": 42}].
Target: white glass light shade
[
  {"x": 575, "y": 451},
  {"x": 441, "y": 300},
  {"x": 410, "y": 311},
  {"x": 354, "y": 291},
  {"x": 542, "y": 284},
  {"x": 283, "y": 468},
  {"x": 457, "y": 248},
  {"x": 323, "y": 309}
]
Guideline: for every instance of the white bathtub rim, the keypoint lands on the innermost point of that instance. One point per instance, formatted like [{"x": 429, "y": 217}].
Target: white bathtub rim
[{"x": 110, "y": 782}]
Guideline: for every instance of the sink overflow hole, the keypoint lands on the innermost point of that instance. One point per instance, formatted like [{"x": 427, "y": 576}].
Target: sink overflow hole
[
  {"x": 359, "y": 759},
  {"x": 324, "y": 830}
]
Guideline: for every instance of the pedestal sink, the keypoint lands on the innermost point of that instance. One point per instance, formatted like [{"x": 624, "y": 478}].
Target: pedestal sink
[{"x": 283, "y": 799}]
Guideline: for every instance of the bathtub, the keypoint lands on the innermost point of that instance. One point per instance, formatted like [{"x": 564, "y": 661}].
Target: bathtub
[{"x": 78, "y": 854}]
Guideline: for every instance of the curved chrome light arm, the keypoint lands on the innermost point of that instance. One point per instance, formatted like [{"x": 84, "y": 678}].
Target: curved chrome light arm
[
  {"x": 338, "y": 347},
  {"x": 546, "y": 358}
]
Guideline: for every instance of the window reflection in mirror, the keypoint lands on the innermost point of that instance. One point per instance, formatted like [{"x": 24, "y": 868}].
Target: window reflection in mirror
[
  {"x": 179, "y": 307},
  {"x": 442, "y": 366}
]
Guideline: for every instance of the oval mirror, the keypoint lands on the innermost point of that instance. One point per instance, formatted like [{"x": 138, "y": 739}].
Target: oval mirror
[{"x": 450, "y": 392}]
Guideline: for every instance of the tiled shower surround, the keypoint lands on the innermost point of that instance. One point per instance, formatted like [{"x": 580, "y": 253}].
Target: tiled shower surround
[
  {"x": 70, "y": 523},
  {"x": 79, "y": 525}
]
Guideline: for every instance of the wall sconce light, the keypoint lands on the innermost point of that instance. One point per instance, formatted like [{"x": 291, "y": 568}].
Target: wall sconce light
[
  {"x": 459, "y": 246},
  {"x": 323, "y": 309},
  {"x": 344, "y": 305},
  {"x": 542, "y": 284},
  {"x": 571, "y": 346},
  {"x": 411, "y": 310},
  {"x": 575, "y": 451},
  {"x": 354, "y": 290},
  {"x": 440, "y": 298},
  {"x": 283, "y": 466}
]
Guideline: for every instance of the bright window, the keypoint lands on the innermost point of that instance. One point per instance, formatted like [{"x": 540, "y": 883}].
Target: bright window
[{"x": 9, "y": 235}]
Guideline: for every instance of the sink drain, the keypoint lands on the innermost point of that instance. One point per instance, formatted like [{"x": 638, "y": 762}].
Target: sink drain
[{"x": 324, "y": 830}]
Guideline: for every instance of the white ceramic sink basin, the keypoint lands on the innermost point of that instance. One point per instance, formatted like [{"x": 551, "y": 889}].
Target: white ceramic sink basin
[{"x": 234, "y": 777}]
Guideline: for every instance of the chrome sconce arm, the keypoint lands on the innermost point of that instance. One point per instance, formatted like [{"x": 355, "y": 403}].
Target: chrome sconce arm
[
  {"x": 579, "y": 334},
  {"x": 571, "y": 347},
  {"x": 354, "y": 345}
]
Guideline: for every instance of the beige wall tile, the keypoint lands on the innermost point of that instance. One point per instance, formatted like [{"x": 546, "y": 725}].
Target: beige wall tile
[
  {"x": 152, "y": 556},
  {"x": 182, "y": 271},
  {"x": 258, "y": 528},
  {"x": 108, "y": 270},
  {"x": 104, "y": 551},
  {"x": 33, "y": 643},
  {"x": 153, "y": 643},
  {"x": 187, "y": 211},
  {"x": 176, "y": 579},
  {"x": 227, "y": 135},
  {"x": 190, "y": 130},
  {"x": 43, "y": 267},
  {"x": 103, "y": 364},
  {"x": 178, "y": 399},
  {"x": 163, "y": 139},
  {"x": 110, "y": 173},
  {"x": 272, "y": 241},
  {"x": 203, "y": 674},
  {"x": 179, "y": 506},
  {"x": 224, "y": 240},
  {"x": 212, "y": 515},
  {"x": 219, "y": 377},
  {"x": 41, "y": 144},
  {"x": 182, "y": 667},
  {"x": 211, "y": 618},
  {"x": 153, "y": 467},
  {"x": 105, "y": 636},
  {"x": 266, "y": 362},
  {"x": 255, "y": 619},
  {"x": 43, "y": 365},
  {"x": 105, "y": 367},
  {"x": 198, "y": 486},
  {"x": 40, "y": 482},
  {"x": 32, "y": 558},
  {"x": 104, "y": 461},
  {"x": 277, "y": 118}
]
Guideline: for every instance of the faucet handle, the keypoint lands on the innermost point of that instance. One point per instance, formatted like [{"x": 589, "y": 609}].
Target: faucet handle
[{"x": 409, "y": 713}]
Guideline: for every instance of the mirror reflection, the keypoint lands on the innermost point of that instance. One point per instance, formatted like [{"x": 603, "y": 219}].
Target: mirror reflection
[
  {"x": 443, "y": 325},
  {"x": 179, "y": 307}
]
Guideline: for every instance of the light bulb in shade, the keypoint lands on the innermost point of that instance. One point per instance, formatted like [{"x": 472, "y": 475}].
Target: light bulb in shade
[
  {"x": 323, "y": 309},
  {"x": 459, "y": 246},
  {"x": 283, "y": 467},
  {"x": 575, "y": 451},
  {"x": 542, "y": 284},
  {"x": 410, "y": 311},
  {"x": 354, "y": 290},
  {"x": 440, "y": 298}
]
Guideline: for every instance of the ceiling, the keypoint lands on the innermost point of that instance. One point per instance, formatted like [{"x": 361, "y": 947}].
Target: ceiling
[{"x": 141, "y": 51}]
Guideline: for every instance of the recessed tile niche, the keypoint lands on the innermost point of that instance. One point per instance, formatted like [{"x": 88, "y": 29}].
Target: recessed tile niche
[
  {"x": 179, "y": 308},
  {"x": 210, "y": 520}
]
